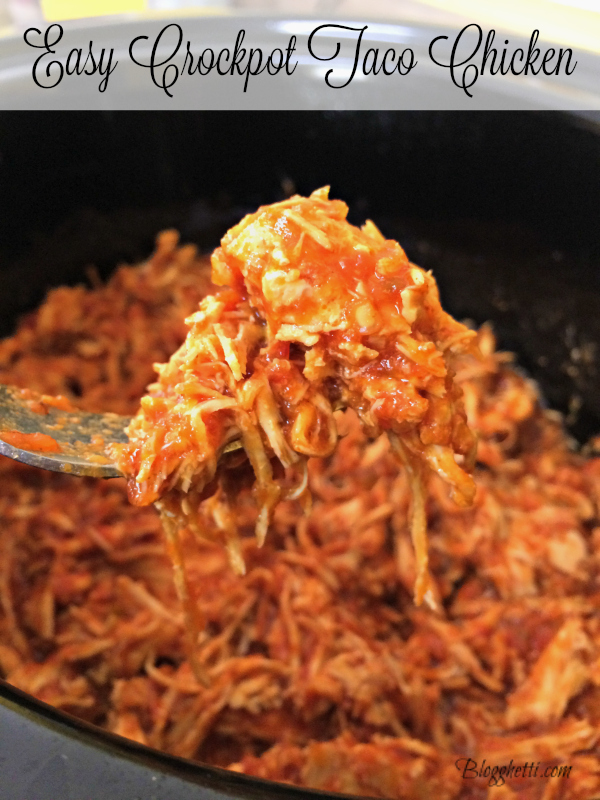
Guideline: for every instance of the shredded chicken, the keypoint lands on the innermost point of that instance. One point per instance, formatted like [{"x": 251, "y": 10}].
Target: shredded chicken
[
  {"x": 323, "y": 673},
  {"x": 317, "y": 314}
]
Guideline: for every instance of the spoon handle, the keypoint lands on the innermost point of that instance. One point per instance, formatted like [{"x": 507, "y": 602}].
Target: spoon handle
[
  {"x": 40, "y": 430},
  {"x": 36, "y": 431}
]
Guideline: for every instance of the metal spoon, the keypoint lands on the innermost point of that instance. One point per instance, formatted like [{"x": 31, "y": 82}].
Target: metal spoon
[{"x": 80, "y": 438}]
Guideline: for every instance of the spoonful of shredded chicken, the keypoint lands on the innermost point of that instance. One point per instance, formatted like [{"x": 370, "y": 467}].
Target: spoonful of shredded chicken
[{"x": 315, "y": 315}]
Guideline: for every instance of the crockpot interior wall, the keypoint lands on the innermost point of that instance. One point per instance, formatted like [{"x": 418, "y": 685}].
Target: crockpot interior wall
[{"x": 504, "y": 207}]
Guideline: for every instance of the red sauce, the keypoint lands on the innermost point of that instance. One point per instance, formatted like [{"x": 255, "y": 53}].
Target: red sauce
[
  {"x": 58, "y": 401},
  {"x": 31, "y": 441}
]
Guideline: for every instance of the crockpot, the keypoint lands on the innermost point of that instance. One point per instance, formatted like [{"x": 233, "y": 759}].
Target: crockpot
[{"x": 503, "y": 207}]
